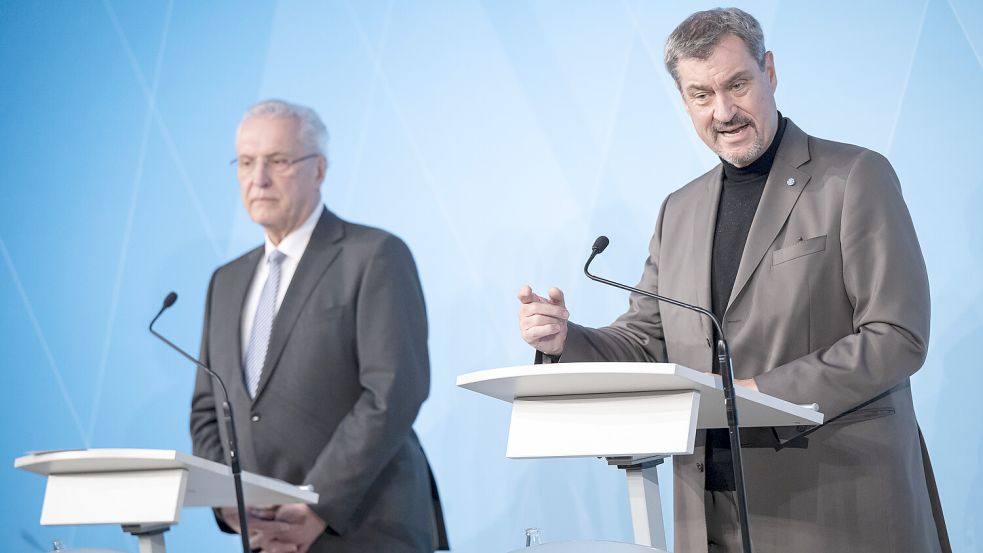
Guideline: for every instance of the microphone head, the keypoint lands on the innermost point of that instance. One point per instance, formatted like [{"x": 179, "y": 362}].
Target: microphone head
[
  {"x": 170, "y": 299},
  {"x": 600, "y": 244}
]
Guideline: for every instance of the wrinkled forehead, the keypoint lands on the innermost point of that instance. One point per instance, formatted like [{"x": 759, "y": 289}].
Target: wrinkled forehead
[{"x": 729, "y": 60}]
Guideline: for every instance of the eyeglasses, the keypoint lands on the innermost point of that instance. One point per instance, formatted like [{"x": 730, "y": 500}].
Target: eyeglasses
[{"x": 278, "y": 164}]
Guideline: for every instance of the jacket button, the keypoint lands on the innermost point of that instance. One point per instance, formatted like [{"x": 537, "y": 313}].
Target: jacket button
[
  {"x": 699, "y": 467},
  {"x": 255, "y": 418}
]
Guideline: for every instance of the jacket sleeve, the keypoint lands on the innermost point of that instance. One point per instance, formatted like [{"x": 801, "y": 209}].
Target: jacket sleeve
[
  {"x": 394, "y": 373},
  {"x": 637, "y": 334},
  {"x": 206, "y": 437},
  {"x": 886, "y": 282}
]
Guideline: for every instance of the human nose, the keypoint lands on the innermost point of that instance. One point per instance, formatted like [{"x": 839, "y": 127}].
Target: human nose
[
  {"x": 723, "y": 107},
  {"x": 259, "y": 174}
]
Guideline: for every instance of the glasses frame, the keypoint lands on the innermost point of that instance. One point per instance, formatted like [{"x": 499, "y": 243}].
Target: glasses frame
[{"x": 290, "y": 163}]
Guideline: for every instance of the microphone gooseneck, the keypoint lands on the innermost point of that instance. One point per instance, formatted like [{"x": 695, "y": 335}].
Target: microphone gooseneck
[
  {"x": 229, "y": 423},
  {"x": 726, "y": 367}
]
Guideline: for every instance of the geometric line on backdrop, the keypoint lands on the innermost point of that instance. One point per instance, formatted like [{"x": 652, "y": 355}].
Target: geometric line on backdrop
[
  {"x": 165, "y": 133},
  {"x": 62, "y": 388},
  {"x": 907, "y": 80},
  {"x": 669, "y": 86},
  {"x": 366, "y": 111},
  {"x": 422, "y": 162},
  {"x": 128, "y": 226},
  {"x": 535, "y": 62},
  {"x": 962, "y": 27},
  {"x": 615, "y": 113}
]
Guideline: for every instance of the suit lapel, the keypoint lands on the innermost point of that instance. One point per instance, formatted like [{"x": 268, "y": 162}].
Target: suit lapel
[
  {"x": 229, "y": 336},
  {"x": 704, "y": 223},
  {"x": 322, "y": 249},
  {"x": 776, "y": 203}
]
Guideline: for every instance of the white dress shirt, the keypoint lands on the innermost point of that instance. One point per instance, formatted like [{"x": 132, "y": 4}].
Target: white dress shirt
[{"x": 292, "y": 246}]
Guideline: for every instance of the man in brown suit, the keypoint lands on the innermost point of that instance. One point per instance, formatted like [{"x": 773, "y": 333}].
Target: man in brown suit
[{"x": 805, "y": 250}]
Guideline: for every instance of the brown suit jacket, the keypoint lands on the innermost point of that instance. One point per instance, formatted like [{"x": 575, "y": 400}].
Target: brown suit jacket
[
  {"x": 346, "y": 372},
  {"x": 830, "y": 305}
]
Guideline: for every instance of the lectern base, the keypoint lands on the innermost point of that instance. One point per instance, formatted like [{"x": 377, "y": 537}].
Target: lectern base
[
  {"x": 589, "y": 547},
  {"x": 644, "y": 498},
  {"x": 151, "y": 536}
]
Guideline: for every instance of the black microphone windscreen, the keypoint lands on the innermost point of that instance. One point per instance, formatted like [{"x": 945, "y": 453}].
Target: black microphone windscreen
[
  {"x": 600, "y": 244},
  {"x": 170, "y": 299}
]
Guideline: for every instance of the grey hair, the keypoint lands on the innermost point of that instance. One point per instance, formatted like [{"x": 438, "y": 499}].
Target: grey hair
[
  {"x": 312, "y": 130},
  {"x": 699, "y": 34}
]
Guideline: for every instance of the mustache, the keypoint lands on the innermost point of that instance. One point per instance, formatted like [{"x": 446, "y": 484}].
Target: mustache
[{"x": 736, "y": 122}]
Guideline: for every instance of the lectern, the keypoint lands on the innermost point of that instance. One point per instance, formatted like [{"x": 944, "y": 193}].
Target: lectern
[
  {"x": 633, "y": 414},
  {"x": 143, "y": 490}
]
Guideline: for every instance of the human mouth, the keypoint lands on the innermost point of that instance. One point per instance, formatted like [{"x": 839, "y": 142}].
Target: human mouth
[{"x": 734, "y": 133}]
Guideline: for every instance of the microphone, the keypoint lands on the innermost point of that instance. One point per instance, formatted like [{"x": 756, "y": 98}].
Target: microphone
[
  {"x": 598, "y": 248},
  {"x": 229, "y": 424},
  {"x": 726, "y": 367}
]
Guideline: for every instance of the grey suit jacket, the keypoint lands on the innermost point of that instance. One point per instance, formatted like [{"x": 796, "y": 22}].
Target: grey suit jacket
[
  {"x": 346, "y": 372},
  {"x": 830, "y": 305}
]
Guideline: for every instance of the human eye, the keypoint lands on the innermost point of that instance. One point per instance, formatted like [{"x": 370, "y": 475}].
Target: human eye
[
  {"x": 739, "y": 86},
  {"x": 280, "y": 162},
  {"x": 244, "y": 162},
  {"x": 700, "y": 97}
]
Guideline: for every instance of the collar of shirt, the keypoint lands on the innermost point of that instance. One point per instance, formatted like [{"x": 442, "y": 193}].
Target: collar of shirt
[{"x": 294, "y": 243}]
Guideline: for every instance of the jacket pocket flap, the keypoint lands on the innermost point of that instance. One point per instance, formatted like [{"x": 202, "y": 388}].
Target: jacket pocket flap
[
  {"x": 804, "y": 247},
  {"x": 867, "y": 414}
]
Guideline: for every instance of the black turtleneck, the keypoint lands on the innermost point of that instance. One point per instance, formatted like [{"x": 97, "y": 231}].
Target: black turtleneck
[{"x": 739, "y": 197}]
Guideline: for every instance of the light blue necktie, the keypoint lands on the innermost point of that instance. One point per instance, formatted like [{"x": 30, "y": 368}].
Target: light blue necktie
[{"x": 259, "y": 339}]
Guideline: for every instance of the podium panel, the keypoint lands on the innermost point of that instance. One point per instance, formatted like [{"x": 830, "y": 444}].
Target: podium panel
[
  {"x": 603, "y": 425},
  {"x": 148, "y": 496}
]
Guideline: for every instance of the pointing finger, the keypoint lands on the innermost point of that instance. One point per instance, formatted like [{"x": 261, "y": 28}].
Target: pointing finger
[
  {"x": 556, "y": 296},
  {"x": 526, "y": 295}
]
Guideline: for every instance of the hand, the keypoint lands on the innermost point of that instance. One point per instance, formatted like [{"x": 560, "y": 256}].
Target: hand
[
  {"x": 543, "y": 321},
  {"x": 303, "y": 527},
  {"x": 262, "y": 527},
  {"x": 747, "y": 383}
]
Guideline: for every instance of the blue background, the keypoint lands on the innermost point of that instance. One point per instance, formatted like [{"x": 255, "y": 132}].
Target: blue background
[{"x": 498, "y": 138}]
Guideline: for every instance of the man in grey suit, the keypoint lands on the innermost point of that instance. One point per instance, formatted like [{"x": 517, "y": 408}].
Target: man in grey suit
[
  {"x": 805, "y": 250},
  {"x": 321, "y": 336}
]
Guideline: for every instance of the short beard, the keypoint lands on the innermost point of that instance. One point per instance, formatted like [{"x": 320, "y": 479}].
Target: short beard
[{"x": 745, "y": 158}]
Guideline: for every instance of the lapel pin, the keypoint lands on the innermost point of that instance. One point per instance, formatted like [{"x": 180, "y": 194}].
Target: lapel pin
[{"x": 790, "y": 182}]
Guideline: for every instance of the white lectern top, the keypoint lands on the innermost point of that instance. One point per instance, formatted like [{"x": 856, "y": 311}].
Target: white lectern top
[
  {"x": 632, "y": 413},
  {"x": 573, "y": 379},
  {"x": 133, "y": 486}
]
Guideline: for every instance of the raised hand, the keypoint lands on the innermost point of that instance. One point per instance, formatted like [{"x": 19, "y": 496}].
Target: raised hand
[{"x": 543, "y": 321}]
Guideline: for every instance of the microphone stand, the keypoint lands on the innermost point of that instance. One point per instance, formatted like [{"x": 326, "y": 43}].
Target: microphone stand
[
  {"x": 229, "y": 425},
  {"x": 726, "y": 368}
]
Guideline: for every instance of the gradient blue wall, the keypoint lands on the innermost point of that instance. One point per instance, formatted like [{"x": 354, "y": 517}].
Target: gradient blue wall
[{"x": 497, "y": 138}]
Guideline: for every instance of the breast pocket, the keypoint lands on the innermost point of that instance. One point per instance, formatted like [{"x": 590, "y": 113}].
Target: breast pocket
[
  {"x": 799, "y": 249},
  {"x": 322, "y": 319}
]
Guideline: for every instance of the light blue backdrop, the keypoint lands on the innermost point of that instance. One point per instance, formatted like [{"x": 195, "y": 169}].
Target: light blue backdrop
[{"x": 497, "y": 138}]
